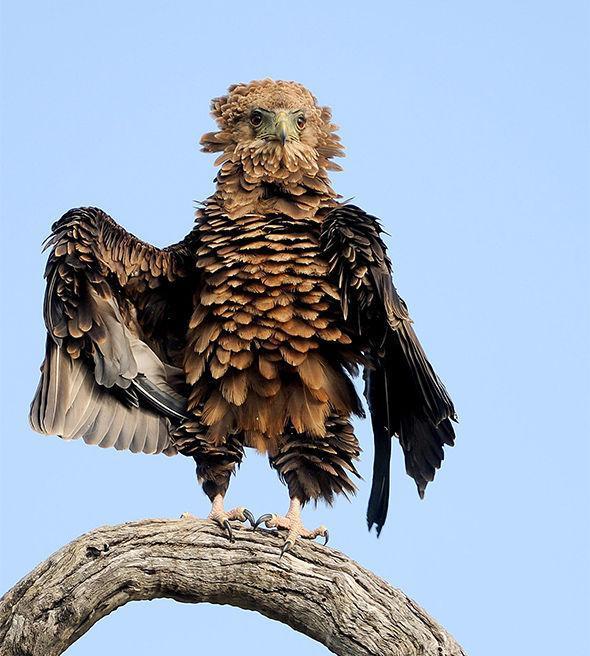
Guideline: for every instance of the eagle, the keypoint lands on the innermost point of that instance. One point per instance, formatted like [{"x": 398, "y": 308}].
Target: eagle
[{"x": 250, "y": 330}]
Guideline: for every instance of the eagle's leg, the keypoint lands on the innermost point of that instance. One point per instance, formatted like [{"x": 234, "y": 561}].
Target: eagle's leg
[
  {"x": 313, "y": 468},
  {"x": 223, "y": 517},
  {"x": 291, "y": 522},
  {"x": 215, "y": 465}
]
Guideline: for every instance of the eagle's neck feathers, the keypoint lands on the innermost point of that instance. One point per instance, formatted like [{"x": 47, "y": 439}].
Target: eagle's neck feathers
[{"x": 297, "y": 195}]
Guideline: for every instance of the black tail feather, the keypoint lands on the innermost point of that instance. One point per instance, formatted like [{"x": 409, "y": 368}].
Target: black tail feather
[
  {"x": 379, "y": 499},
  {"x": 377, "y": 392}
]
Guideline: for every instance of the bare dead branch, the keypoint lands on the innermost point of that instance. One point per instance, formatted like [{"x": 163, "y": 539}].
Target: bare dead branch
[{"x": 314, "y": 589}]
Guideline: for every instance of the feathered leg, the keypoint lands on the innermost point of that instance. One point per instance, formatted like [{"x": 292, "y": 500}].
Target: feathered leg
[
  {"x": 313, "y": 468},
  {"x": 215, "y": 465}
]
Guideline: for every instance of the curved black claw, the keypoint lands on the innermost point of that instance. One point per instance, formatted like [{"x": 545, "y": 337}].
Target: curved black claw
[
  {"x": 261, "y": 520},
  {"x": 227, "y": 527},
  {"x": 326, "y": 538},
  {"x": 250, "y": 517},
  {"x": 286, "y": 547}
]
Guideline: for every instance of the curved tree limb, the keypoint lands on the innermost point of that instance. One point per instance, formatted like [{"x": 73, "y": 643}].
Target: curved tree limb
[{"x": 313, "y": 589}]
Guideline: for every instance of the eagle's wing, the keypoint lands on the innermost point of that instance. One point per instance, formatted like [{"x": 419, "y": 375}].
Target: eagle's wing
[
  {"x": 111, "y": 304},
  {"x": 405, "y": 396}
]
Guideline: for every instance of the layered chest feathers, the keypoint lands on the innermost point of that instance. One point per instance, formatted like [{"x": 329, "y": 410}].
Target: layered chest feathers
[
  {"x": 265, "y": 287},
  {"x": 264, "y": 319}
]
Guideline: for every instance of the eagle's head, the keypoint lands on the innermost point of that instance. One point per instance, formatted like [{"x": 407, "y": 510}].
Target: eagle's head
[{"x": 273, "y": 133}]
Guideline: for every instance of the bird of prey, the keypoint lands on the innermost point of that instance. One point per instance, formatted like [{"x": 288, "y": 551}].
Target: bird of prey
[{"x": 249, "y": 331}]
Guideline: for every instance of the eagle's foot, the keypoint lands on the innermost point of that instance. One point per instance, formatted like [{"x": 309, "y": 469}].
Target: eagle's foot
[
  {"x": 291, "y": 522},
  {"x": 223, "y": 517}
]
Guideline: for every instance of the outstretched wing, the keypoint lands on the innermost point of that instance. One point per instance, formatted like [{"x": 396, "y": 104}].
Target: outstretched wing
[
  {"x": 405, "y": 396},
  {"x": 114, "y": 310}
]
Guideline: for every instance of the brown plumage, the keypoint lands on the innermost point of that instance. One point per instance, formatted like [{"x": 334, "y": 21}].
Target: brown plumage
[{"x": 247, "y": 332}]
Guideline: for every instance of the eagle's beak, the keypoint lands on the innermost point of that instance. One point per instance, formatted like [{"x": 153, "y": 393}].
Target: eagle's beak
[{"x": 282, "y": 127}]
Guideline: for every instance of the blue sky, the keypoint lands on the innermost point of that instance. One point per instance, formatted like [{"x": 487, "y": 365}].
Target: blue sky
[{"x": 466, "y": 127}]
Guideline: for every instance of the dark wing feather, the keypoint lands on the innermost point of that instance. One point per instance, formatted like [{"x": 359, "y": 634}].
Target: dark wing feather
[
  {"x": 405, "y": 396},
  {"x": 114, "y": 308}
]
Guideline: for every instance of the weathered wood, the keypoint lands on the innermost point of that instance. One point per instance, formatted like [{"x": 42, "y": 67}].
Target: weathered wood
[{"x": 313, "y": 589}]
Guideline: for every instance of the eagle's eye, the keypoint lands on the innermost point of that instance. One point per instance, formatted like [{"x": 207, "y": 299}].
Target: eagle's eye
[
  {"x": 256, "y": 119},
  {"x": 301, "y": 121}
]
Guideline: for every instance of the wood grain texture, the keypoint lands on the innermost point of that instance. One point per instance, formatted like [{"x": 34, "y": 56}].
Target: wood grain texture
[{"x": 315, "y": 590}]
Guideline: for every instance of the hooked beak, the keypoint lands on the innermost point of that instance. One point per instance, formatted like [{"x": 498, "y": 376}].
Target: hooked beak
[{"x": 282, "y": 127}]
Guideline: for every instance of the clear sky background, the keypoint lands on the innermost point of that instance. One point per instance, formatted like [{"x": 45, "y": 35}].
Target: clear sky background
[{"x": 466, "y": 127}]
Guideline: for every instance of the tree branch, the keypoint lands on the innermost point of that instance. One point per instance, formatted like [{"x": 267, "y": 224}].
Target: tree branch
[{"x": 313, "y": 589}]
